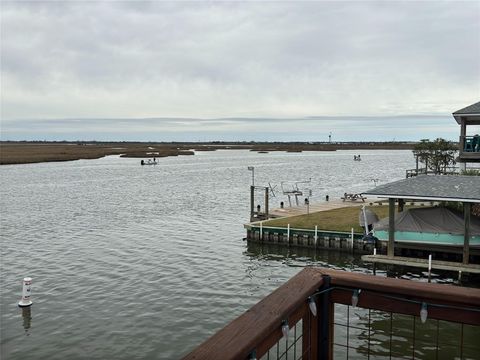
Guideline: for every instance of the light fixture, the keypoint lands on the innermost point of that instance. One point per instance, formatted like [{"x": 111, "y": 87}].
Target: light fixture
[
  {"x": 423, "y": 313},
  {"x": 285, "y": 328},
  {"x": 312, "y": 305},
  {"x": 355, "y": 295}
]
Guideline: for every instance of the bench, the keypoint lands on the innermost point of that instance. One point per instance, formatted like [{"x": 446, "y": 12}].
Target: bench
[{"x": 353, "y": 197}]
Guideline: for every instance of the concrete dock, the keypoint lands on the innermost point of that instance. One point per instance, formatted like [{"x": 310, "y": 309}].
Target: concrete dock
[{"x": 322, "y": 206}]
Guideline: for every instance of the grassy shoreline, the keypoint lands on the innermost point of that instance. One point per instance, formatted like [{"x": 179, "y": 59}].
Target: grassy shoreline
[
  {"x": 341, "y": 219},
  {"x": 35, "y": 152}
]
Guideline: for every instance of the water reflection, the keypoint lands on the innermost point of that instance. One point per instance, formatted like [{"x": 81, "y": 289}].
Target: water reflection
[
  {"x": 27, "y": 319},
  {"x": 301, "y": 257}
]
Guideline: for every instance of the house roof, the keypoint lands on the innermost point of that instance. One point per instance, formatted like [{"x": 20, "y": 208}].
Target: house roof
[
  {"x": 470, "y": 112},
  {"x": 433, "y": 188}
]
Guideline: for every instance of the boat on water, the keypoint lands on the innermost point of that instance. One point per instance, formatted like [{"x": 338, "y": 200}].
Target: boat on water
[
  {"x": 357, "y": 158},
  {"x": 149, "y": 162}
]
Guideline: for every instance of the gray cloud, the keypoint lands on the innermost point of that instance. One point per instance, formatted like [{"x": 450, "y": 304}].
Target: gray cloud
[{"x": 246, "y": 59}]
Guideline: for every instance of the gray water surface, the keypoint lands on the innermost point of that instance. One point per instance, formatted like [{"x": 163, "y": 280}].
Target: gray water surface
[{"x": 132, "y": 262}]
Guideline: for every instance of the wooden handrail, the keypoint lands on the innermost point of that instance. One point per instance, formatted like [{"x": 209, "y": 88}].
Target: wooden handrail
[
  {"x": 442, "y": 293},
  {"x": 259, "y": 327},
  {"x": 446, "y": 302}
]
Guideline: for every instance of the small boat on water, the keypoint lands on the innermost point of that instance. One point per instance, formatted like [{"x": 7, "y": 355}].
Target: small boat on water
[
  {"x": 357, "y": 158},
  {"x": 149, "y": 162}
]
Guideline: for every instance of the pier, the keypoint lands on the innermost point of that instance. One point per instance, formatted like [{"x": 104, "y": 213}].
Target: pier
[
  {"x": 422, "y": 263},
  {"x": 346, "y": 241},
  {"x": 311, "y": 208}
]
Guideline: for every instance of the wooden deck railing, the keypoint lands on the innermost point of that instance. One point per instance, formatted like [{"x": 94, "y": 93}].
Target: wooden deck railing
[
  {"x": 259, "y": 329},
  {"x": 449, "y": 170},
  {"x": 469, "y": 144},
  {"x": 415, "y": 172}
]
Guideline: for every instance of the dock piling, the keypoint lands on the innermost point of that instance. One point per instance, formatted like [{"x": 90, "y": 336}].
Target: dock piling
[
  {"x": 351, "y": 238},
  {"x": 430, "y": 268}
]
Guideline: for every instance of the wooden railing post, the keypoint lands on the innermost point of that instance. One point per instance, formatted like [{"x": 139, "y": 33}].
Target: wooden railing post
[
  {"x": 325, "y": 325},
  {"x": 391, "y": 227},
  {"x": 310, "y": 336},
  {"x": 466, "y": 240}
]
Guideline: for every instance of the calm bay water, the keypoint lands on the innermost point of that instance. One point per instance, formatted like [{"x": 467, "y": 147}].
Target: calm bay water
[{"x": 132, "y": 262}]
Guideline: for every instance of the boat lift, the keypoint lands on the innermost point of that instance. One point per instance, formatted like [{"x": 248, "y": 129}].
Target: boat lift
[{"x": 291, "y": 188}]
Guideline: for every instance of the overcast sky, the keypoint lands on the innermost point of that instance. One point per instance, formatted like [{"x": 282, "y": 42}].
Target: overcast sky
[{"x": 112, "y": 70}]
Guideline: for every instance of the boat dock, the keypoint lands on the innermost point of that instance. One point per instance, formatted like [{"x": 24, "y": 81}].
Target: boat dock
[
  {"x": 347, "y": 241},
  {"x": 422, "y": 263},
  {"x": 311, "y": 208}
]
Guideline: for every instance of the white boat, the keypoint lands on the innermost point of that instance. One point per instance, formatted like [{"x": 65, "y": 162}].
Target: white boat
[{"x": 149, "y": 162}]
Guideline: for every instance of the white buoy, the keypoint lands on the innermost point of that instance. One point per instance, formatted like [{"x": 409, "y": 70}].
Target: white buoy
[{"x": 27, "y": 290}]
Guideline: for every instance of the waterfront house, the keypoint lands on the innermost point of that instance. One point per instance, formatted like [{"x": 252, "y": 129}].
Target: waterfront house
[{"x": 469, "y": 145}]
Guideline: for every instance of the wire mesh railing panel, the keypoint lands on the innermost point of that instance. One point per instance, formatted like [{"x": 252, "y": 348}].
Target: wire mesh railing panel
[
  {"x": 288, "y": 347},
  {"x": 470, "y": 342},
  {"x": 392, "y": 319},
  {"x": 370, "y": 334}
]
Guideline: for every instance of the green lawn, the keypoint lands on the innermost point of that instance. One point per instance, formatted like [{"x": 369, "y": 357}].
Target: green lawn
[{"x": 343, "y": 219}]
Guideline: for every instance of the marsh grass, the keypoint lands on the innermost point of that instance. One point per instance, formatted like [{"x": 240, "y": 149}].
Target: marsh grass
[
  {"x": 35, "y": 152},
  {"x": 23, "y": 153}
]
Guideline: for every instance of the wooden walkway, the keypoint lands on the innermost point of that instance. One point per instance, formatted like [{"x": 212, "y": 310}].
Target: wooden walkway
[
  {"x": 423, "y": 263},
  {"x": 323, "y": 206}
]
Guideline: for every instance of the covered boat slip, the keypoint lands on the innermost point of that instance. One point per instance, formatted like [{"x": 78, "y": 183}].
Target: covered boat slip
[
  {"x": 438, "y": 225},
  {"x": 429, "y": 227}
]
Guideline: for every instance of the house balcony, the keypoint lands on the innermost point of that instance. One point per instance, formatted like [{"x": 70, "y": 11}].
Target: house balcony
[{"x": 469, "y": 149}]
